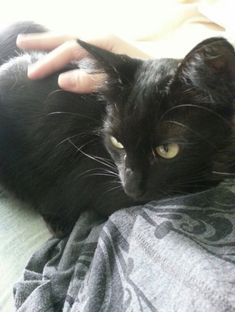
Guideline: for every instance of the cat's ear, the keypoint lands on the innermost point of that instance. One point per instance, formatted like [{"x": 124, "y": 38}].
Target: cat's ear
[
  {"x": 120, "y": 69},
  {"x": 210, "y": 65}
]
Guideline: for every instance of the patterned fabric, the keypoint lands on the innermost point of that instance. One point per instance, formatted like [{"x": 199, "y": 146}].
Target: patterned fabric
[{"x": 176, "y": 255}]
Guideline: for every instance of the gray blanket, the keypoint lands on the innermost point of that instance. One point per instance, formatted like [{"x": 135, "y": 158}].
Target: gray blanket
[{"x": 176, "y": 255}]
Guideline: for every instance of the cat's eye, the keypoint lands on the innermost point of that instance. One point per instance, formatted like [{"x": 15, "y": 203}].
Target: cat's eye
[
  {"x": 116, "y": 143},
  {"x": 168, "y": 151}
]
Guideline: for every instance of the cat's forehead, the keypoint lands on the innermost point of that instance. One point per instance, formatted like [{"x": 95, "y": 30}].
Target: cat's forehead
[
  {"x": 152, "y": 81},
  {"x": 156, "y": 73},
  {"x": 137, "y": 114},
  {"x": 159, "y": 67},
  {"x": 150, "y": 89}
]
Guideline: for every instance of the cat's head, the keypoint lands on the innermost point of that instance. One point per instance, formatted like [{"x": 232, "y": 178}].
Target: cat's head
[{"x": 170, "y": 123}]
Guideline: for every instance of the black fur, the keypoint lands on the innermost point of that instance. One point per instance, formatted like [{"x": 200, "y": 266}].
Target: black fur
[{"x": 55, "y": 148}]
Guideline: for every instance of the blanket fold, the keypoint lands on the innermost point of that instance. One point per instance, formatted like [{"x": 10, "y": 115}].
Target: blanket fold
[{"x": 172, "y": 255}]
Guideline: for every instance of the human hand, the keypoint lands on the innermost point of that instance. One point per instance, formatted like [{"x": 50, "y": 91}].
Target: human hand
[{"x": 64, "y": 49}]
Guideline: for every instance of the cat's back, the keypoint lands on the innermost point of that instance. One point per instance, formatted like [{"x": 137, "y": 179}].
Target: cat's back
[{"x": 8, "y": 36}]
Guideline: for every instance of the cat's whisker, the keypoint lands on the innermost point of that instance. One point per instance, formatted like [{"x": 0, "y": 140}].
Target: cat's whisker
[
  {"x": 98, "y": 159},
  {"x": 104, "y": 161},
  {"x": 116, "y": 181},
  {"x": 109, "y": 175},
  {"x": 99, "y": 172},
  {"x": 54, "y": 92},
  {"x": 230, "y": 174},
  {"x": 118, "y": 187},
  {"x": 114, "y": 171},
  {"x": 103, "y": 174},
  {"x": 74, "y": 136},
  {"x": 51, "y": 94},
  {"x": 198, "y": 107},
  {"x": 79, "y": 149},
  {"x": 85, "y": 172},
  {"x": 191, "y": 130},
  {"x": 55, "y": 113},
  {"x": 81, "y": 134}
]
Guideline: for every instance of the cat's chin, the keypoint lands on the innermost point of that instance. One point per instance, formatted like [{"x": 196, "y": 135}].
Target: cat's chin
[
  {"x": 141, "y": 197},
  {"x": 136, "y": 195}
]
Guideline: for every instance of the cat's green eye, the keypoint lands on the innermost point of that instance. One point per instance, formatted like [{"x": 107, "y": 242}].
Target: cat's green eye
[
  {"x": 168, "y": 151},
  {"x": 116, "y": 143}
]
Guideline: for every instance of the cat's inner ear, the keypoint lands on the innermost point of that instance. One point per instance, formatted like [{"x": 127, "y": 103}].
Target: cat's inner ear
[
  {"x": 211, "y": 61},
  {"x": 120, "y": 69}
]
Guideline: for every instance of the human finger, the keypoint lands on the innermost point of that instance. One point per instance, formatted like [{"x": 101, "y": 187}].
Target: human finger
[
  {"x": 43, "y": 41},
  {"x": 79, "y": 81},
  {"x": 56, "y": 59}
]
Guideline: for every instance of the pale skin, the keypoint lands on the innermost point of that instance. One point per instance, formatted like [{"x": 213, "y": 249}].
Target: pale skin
[{"x": 63, "y": 49}]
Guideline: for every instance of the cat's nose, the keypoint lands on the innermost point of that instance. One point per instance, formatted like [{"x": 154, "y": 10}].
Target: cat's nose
[{"x": 132, "y": 185}]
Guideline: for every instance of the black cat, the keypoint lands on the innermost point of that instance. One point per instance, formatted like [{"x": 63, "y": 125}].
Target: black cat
[{"x": 157, "y": 128}]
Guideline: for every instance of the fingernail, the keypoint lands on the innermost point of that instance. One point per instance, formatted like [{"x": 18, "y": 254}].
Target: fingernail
[
  {"x": 31, "y": 71},
  {"x": 35, "y": 71},
  {"x": 20, "y": 40},
  {"x": 67, "y": 80}
]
